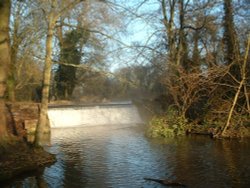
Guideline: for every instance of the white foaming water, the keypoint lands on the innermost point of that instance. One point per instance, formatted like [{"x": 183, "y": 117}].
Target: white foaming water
[{"x": 80, "y": 116}]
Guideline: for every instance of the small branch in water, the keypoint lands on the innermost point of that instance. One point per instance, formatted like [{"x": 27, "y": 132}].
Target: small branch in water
[{"x": 166, "y": 182}]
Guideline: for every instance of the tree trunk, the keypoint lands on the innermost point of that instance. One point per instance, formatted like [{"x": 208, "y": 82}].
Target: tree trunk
[
  {"x": 169, "y": 24},
  {"x": 196, "y": 54},
  {"x": 230, "y": 37},
  {"x": 232, "y": 52},
  {"x": 11, "y": 83},
  {"x": 12, "y": 72},
  {"x": 182, "y": 55},
  {"x": 242, "y": 82},
  {"x": 5, "y": 61},
  {"x": 247, "y": 99},
  {"x": 43, "y": 125}
]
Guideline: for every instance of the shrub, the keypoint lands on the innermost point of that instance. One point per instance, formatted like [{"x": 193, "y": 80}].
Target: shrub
[{"x": 168, "y": 125}]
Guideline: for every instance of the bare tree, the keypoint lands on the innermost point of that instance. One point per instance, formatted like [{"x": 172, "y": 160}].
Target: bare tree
[
  {"x": 25, "y": 34},
  {"x": 188, "y": 88},
  {"x": 53, "y": 14}
]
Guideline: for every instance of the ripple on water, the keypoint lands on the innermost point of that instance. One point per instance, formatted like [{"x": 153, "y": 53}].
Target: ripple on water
[{"x": 121, "y": 156}]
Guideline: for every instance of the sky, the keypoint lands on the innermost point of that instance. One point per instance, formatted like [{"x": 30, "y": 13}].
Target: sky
[{"x": 139, "y": 30}]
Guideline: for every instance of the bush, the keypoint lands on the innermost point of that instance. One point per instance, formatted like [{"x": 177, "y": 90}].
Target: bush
[{"x": 168, "y": 125}]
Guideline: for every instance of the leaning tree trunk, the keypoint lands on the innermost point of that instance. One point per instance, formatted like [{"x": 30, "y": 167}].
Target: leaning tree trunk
[
  {"x": 43, "y": 125},
  {"x": 5, "y": 61},
  {"x": 242, "y": 82}
]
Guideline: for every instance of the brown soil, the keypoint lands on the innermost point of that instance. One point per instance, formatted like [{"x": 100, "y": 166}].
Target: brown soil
[
  {"x": 18, "y": 113},
  {"x": 19, "y": 157}
]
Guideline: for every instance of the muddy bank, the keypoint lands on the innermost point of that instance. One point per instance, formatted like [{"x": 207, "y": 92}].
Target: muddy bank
[
  {"x": 19, "y": 155},
  {"x": 19, "y": 114}
]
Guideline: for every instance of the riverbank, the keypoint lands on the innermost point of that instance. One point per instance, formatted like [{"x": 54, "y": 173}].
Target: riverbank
[
  {"x": 173, "y": 125},
  {"x": 18, "y": 157}
]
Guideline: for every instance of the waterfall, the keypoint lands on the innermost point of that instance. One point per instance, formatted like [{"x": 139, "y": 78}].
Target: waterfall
[{"x": 90, "y": 115}]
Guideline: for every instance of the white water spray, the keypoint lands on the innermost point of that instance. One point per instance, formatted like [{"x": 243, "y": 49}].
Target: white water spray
[{"x": 91, "y": 115}]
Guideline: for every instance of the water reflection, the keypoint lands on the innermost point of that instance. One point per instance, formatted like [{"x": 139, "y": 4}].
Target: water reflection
[
  {"x": 119, "y": 156},
  {"x": 32, "y": 179},
  {"x": 103, "y": 157},
  {"x": 212, "y": 163}
]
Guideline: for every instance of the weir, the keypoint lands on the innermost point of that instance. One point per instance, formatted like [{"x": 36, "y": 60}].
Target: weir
[{"x": 93, "y": 114}]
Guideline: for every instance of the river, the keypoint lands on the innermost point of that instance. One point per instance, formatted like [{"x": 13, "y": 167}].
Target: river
[{"x": 121, "y": 156}]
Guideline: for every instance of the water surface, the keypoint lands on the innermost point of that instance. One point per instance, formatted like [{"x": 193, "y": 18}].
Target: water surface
[{"x": 121, "y": 156}]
